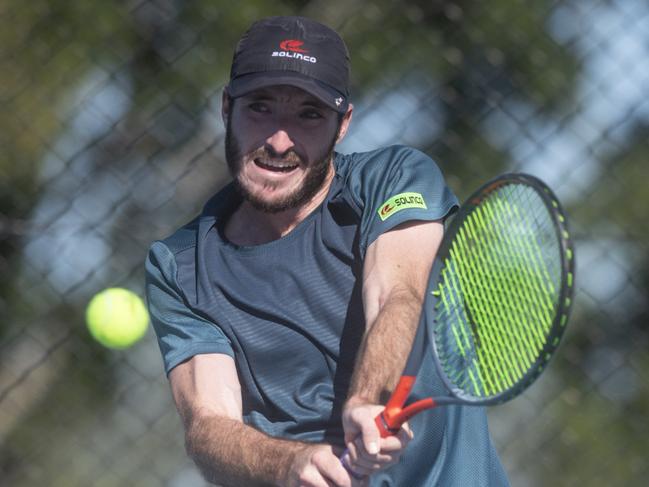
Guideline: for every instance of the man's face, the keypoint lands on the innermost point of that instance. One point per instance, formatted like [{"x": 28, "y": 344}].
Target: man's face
[{"x": 279, "y": 145}]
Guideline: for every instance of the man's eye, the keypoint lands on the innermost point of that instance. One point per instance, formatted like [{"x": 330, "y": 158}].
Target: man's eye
[
  {"x": 311, "y": 114},
  {"x": 259, "y": 107}
]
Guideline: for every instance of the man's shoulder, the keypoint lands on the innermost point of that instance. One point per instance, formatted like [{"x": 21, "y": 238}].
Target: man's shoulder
[
  {"x": 369, "y": 169},
  {"x": 362, "y": 164},
  {"x": 387, "y": 154},
  {"x": 182, "y": 238}
]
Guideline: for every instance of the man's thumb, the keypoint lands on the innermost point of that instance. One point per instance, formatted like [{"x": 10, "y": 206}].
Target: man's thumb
[{"x": 371, "y": 438}]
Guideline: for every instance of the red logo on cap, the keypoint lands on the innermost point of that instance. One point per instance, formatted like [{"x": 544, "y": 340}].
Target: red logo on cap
[{"x": 292, "y": 45}]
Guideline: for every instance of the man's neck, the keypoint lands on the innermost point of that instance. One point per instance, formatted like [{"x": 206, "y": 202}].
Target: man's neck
[{"x": 251, "y": 226}]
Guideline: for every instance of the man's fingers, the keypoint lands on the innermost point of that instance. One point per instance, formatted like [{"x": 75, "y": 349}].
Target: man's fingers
[
  {"x": 371, "y": 438},
  {"x": 318, "y": 466},
  {"x": 367, "y": 451},
  {"x": 332, "y": 469},
  {"x": 362, "y": 462},
  {"x": 364, "y": 469},
  {"x": 396, "y": 442},
  {"x": 358, "y": 456},
  {"x": 312, "y": 477},
  {"x": 358, "y": 452},
  {"x": 355, "y": 472},
  {"x": 361, "y": 422}
]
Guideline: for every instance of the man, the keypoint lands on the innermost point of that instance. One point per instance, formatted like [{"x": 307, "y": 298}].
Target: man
[{"x": 285, "y": 311}]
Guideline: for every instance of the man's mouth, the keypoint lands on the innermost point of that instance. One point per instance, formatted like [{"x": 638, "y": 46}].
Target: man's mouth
[{"x": 276, "y": 166}]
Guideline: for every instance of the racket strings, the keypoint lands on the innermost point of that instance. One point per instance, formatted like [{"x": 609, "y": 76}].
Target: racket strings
[
  {"x": 498, "y": 290},
  {"x": 486, "y": 310},
  {"x": 527, "y": 294},
  {"x": 511, "y": 346}
]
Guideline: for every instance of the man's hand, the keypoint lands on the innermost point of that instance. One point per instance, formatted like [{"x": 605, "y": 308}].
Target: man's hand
[
  {"x": 367, "y": 452},
  {"x": 319, "y": 466}
]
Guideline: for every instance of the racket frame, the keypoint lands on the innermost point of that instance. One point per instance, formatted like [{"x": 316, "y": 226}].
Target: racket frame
[{"x": 395, "y": 413}]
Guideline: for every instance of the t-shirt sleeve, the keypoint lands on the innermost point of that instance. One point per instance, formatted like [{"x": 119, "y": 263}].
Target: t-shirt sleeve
[
  {"x": 399, "y": 184},
  {"x": 181, "y": 332}
]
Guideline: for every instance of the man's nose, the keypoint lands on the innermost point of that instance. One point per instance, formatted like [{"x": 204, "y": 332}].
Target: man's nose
[{"x": 279, "y": 142}]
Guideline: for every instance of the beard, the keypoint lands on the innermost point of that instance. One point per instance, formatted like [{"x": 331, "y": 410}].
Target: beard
[{"x": 313, "y": 181}]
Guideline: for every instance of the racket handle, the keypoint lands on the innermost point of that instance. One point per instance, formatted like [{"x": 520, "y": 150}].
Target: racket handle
[
  {"x": 389, "y": 421},
  {"x": 345, "y": 463}
]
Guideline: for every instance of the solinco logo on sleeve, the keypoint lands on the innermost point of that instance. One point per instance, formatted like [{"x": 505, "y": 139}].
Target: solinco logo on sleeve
[{"x": 401, "y": 202}]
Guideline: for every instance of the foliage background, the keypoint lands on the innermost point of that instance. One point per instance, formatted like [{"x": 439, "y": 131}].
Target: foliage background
[{"x": 111, "y": 137}]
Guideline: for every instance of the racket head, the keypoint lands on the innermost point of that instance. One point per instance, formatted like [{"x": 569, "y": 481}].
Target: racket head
[{"x": 501, "y": 290}]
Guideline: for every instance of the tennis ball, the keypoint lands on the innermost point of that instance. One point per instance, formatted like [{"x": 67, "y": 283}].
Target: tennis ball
[{"x": 117, "y": 318}]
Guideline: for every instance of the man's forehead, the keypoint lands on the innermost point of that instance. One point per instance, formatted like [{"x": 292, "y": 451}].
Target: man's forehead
[{"x": 285, "y": 94}]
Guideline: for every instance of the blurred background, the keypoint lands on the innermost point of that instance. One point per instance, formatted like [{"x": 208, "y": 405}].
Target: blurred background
[{"x": 111, "y": 137}]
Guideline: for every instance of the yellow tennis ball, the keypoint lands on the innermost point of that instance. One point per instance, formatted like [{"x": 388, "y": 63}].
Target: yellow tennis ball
[{"x": 117, "y": 318}]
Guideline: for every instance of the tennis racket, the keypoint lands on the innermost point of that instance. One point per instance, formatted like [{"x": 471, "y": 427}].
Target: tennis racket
[{"x": 499, "y": 296}]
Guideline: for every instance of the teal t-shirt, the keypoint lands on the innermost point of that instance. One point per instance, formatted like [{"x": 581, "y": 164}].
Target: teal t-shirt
[{"x": 290, "y": 313}]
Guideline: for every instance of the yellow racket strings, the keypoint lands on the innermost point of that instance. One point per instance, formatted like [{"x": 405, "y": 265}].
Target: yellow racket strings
[{"x": 498, "y": 293}]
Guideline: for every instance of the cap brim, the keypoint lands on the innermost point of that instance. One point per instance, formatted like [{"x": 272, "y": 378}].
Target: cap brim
[{"x": 247, "y": 83}]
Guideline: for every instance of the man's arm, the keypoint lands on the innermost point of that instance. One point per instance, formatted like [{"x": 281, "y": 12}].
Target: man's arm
[
  {"x": 395, "y": 277},
  {"x": 207, "y": 393}
]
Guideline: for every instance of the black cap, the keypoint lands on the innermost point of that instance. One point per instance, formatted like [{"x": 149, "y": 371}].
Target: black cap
[{"x": 292, "y": 51}]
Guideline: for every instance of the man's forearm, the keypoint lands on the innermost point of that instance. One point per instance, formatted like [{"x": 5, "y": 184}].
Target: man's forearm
[
  {"x": 386, "y": 346},
  {"x": 232, "y": 454}
]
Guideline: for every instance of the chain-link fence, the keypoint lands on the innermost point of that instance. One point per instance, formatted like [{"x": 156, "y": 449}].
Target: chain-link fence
[{"x": 111, "y": 137}]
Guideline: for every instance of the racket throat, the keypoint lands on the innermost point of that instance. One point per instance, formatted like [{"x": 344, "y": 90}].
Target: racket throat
[
  {"x": 395, "y": 414},
  {"x": 389, "y": 422}
]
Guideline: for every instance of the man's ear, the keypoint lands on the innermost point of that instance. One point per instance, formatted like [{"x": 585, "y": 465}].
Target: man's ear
[
  {"x": 225, "y": 105},
  {"x": 344, "y": 124}
]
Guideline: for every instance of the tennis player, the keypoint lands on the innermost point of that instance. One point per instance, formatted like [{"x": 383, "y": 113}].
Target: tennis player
[{"x": 285, "y": 311}]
